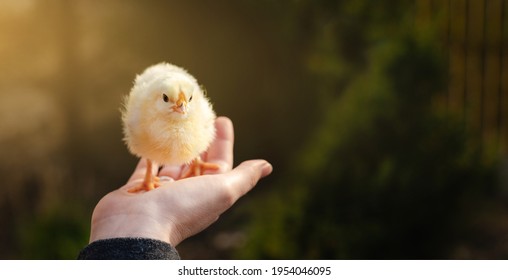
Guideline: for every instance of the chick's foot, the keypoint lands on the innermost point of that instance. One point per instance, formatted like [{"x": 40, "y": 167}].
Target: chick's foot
[
  {"x": 149, "y": 183},
  {"x": 146, "y": 186},
  {"x": 197, "y": 167}
]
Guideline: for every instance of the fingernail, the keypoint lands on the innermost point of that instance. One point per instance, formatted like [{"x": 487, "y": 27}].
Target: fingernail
[{"x": 267, "y": 168}]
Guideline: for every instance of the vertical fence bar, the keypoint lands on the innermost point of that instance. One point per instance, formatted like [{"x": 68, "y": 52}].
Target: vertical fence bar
[
  {"x": 483, "y": 93},
  {"x": 466, "y": 52},
  {"x": 503, "y": 80},
  {"x": 448, "y": 45},
  {"x": 491, "y": 80},
  {"x": 457, "y": 55},
  {"x": 474, "y": 62}
]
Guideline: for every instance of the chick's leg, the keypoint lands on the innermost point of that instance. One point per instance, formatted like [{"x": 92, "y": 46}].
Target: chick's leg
[
  {"x": 198, "y": 166},
  {"x": 149, "y": 183}
]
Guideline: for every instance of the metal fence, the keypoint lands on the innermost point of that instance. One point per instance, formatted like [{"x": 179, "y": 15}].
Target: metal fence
[{"x": 475, "y": 33}]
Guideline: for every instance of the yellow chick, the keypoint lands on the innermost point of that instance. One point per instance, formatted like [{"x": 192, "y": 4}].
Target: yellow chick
[{"x": 168, "y": 119}]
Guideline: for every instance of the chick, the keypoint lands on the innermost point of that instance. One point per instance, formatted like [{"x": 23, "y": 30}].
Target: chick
[{"x": 168, "y": 119}]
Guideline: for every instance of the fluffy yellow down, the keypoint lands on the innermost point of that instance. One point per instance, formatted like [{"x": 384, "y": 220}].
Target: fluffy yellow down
[{"x": 158, "y": 134}]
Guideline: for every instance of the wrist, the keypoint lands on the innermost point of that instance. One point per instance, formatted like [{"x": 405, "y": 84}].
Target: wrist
[{"x": 128, "y": 226}]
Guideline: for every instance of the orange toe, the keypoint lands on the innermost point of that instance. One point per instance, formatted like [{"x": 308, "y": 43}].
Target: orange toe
[
  {"x": 197, "y": 167},
  {"x": 146, "y": 186}
]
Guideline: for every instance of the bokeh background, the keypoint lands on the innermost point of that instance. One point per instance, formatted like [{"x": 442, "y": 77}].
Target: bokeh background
[{"x": 386, "y": 121}]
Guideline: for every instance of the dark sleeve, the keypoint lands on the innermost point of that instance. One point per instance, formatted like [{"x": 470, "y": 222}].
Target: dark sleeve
[{"x": 129, "y": 249}]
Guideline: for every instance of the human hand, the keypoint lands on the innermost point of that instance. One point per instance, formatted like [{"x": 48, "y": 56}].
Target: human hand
[{"x": 178, "y": 209}]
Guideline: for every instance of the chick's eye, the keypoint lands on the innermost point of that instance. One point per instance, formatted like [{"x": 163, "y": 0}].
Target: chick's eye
[
  {"x": 165, "y": 98},
  {"x": 190, "y": 98}
]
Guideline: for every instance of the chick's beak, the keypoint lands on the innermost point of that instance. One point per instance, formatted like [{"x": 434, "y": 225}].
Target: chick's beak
[{"x": 180, "y": 104}]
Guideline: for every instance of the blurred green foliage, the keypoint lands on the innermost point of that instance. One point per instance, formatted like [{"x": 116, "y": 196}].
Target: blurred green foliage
[
  {"x": 385, "y": 175},
  {"x": 60, "y": 234}
]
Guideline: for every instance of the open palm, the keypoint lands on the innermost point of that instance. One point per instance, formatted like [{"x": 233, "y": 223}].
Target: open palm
[{"x": 179, "y": 208}]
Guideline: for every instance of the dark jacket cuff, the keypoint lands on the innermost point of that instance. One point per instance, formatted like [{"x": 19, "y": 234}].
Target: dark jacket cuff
[{"x": 129, "y": 249}]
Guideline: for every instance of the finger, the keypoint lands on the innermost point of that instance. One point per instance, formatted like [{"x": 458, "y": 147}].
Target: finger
[
  {"x": 140, "y": 171},
  {"x": 221, "y": 149},
  {"x": 245, "y": 176}
]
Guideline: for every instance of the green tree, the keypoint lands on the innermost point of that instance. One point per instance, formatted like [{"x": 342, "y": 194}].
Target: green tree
[{"x": 385, "y": 175}]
